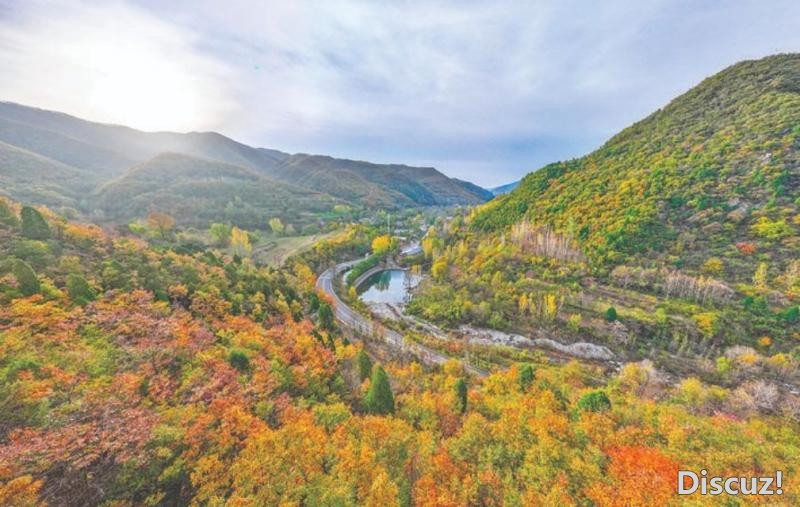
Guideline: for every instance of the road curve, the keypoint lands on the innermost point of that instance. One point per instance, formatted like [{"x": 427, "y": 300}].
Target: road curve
[{"x": 353, "y": 320}]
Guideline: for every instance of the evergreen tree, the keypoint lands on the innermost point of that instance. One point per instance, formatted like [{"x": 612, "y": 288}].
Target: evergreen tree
[
  {"x": 326, "y": 316},
  {"x": 239, "y": 360},
  {"x": 461, "y": 393},
  {"x": 26, "y": 278},
  {"x": 379, "y": 398},
  {"x": 526, "y": 376},
  {"x": 79, "y": 289},
  {"x": 34, "y": 225},
  {"x": 364, "y": 365},
  {"x": 595, "y": 401},
  {"x": 611, "y": 314}
]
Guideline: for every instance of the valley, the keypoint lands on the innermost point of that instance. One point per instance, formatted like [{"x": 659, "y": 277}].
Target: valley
[{"x": 189, "y": 320}]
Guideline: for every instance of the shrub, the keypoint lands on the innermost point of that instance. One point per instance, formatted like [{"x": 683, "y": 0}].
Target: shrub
[
  {"x": 526, "y": 376},
  {"x": 362, "y": 267},
  {"x": 611, "y": 314},
  {"x": 791, "y": 314},
  {"x": 595, "y": 401},
  {"x": 574, "y": 322}
]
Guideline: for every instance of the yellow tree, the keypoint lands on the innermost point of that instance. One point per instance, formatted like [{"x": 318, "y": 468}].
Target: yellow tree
[
  {"x": 276, "y": 225},
  {"x": 240, "y": 242},
  {"x": 381, "y": 244}
]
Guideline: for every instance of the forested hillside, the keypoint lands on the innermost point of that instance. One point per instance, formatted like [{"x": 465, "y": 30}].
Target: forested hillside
[
  {"x": 199, "y": 192},
  {"x": 716, "y": 168},
  {"x": 678, "y": 238},
  {"x": 132, "y": 374}
]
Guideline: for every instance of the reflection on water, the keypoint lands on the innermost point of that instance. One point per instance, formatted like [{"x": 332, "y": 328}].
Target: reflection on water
[{"x": 390, "y": 286}]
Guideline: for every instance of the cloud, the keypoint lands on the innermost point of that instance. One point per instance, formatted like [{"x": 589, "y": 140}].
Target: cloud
[{"x": 486, "y": 91}]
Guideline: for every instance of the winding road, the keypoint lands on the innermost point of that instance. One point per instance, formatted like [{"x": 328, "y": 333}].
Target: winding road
[{"x": 353, "y": 320}]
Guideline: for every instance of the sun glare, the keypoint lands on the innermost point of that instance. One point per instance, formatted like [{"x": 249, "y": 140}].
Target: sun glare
[{"x": 123, "y": 66}]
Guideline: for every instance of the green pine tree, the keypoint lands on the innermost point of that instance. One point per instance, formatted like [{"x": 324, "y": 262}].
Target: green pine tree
[
  {"x": 595, "y": 401},
  {"x": 461, "y": 394},
  {"x": 26, "y": 278},
  {"x": 364, "y": 364},
  {"x": 379, "y": 398},
  {"x": 79, "y": 289},
  {"x": 326, "y": 321},
  {"x": 34, "y": 225},
  {"x": 526, "y": 377}
]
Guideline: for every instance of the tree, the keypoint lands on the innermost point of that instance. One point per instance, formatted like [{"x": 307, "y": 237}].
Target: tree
[
  {"x": 713, "y": 266},
  {"x": 26, "y": 277},
  {"x": 240, "y": 242},
  {"x": 595, "y": 401},
  {"x": 326, "y": 316},
  {"x": 7, "y": 216},
  {"x": 379, "y": 398},
  {"x": 239, "y": 360},
  {"x": 761, "y": 276},
  {"x": 526, "y": 376},
  {"x": 160, "y": 222},
  {"x": 461, "y": 395},
  {"x": 611, "y": 314},
  {"x": 34, "y": 225},
  {"x": 221, "y": 234},
  {"x": 364, "y": 364},
  {"x": 276, "y": 225},
  {"x": 79, "y": 289},
  {"x": 381, "y": 244}
]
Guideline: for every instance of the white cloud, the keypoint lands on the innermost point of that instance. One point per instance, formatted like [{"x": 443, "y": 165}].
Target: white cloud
[
  {"x": 466, "y": 85},
  {"x": 110, "y": 62}
]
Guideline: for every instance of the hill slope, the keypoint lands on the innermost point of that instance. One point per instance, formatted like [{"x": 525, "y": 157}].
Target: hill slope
[
  {"x": 381, "y": 185},
  {"x": 29, "y": 177},
  {"x": 718, "y": 166},
  {"x": 199, "y": 191}
]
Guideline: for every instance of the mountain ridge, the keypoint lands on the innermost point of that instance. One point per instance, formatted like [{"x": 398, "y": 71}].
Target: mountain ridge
[{"x": 107, "y": 151}]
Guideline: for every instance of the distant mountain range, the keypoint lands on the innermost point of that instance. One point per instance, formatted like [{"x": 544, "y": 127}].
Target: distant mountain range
[
  {"x": 116, "y": 173},
  {"x": 504, "y": 189}
]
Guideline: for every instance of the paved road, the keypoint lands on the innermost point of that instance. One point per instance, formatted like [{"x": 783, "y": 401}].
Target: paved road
[{"x": 354, "y": 320}]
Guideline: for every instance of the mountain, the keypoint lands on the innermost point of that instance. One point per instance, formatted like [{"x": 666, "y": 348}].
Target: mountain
[
  {"x": 54, "y": 144},
  {"x": 717, "y": 167},
  {"x": 487, "y": 195},
  {"x": 504, "y": 189},
  {"x": 675, "y": 241},
  {"x": 377, "y": 185},
  {"x": 200, "y": 191}
]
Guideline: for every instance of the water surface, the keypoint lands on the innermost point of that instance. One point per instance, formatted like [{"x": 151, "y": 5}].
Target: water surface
[{"x": 390, "y": 286}]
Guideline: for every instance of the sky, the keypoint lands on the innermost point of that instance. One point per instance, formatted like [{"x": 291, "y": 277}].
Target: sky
[{"x": 483, "y": 90}]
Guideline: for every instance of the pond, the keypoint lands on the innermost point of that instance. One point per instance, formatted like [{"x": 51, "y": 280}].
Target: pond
[{"x": 390, "y": 286}]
